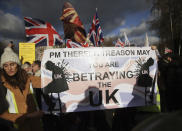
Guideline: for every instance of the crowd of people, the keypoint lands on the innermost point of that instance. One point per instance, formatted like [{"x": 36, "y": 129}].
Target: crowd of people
[{"x": 21, "y": 99}]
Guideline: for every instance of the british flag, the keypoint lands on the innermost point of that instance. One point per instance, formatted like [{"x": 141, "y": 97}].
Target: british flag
[
  {"x": 95, "y": 34},
  {"x": 41, "y": 33},
  {"x": 119, "y": 43},
  {"x": 71, "y": 44}
]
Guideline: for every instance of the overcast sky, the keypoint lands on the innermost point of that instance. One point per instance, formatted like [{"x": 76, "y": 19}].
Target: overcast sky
[{"x": 116, "y": 16}]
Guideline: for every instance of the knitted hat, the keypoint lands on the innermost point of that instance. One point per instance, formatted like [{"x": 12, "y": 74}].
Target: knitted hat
[{"x": 9, "y": 55}]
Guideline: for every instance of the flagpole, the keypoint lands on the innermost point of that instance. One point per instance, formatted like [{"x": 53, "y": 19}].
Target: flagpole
[
  {"x": 96, "y": 13},
  {"x": 96, "y": 36}
]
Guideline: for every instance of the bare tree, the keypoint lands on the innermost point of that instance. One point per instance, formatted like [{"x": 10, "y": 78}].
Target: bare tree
[{"x": 168, "y": 23}]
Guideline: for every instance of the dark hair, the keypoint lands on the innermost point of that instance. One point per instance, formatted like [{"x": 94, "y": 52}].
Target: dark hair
[
  {"x": 28, "y": 63},
  {"x": 37, "y": 62},
  {"x": 18, "y": 80}
]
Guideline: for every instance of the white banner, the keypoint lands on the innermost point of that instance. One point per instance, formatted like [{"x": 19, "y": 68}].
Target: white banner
[{"x": 100, "y": 78}]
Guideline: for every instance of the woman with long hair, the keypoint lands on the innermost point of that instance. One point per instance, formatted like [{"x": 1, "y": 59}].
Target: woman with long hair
[{"x": 22, "y": 111}]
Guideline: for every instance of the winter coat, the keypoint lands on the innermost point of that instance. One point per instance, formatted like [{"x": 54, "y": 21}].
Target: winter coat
[{"x": 25, "y": 104}]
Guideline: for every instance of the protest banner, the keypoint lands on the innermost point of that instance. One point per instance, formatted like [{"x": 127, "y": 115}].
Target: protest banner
[
  {"x": 27, "y": 51},
  {"x": 100, "y": 78}
]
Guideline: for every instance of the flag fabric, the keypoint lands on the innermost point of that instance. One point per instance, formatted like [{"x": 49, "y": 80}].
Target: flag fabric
[
  {"x": 86, "y": 44},
  {"x": 119, "y": 43},
  {"x": 167, "y": 50},
  {"x": 73, "y": 27},
  {"x": 127, "y": 42},
  {"x": 41, "y": 33},
  {"x": 146, "y": 41},
  {"x": 95, "y": 34},
  {"x": 72, "y": 44}
]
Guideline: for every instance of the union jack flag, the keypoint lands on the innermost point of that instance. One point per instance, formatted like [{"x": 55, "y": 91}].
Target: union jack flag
[
  {"x": 95, "y": 34},
  {"x": 41, "y": 33},
  {"x": 119, "y": 43},
  {"x": 71, "y": 44}
]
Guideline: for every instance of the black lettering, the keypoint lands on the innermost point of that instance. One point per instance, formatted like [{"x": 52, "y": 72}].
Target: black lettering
[
  {"x": 144, "y": 52},
  {"x": 64, "y": 54},
  {"x": 111, "y": 96},
  {"x": 95, "y": 65},
  {"x": 122, "y": 75},
  {"x": 91, "y": 75},
  {"x": 76, "y": 77},
  {"x": 122, "y": 52},
  {"x": 107, "y": 64},
  {"x": 112, "y": 74},
  {"x": 118, "y": 53},
  {"x": 116, "y": 64},
  {"x": 129, "y": 74},
  {"x": 139, "y": 52},
  {"x": 57, "y": 54},
  {"x": 98, "y": 76},
  {"x": 108, "y": 53},
  {"x": 132, "y": 52},
  {"x": 127, "y": 52},
  {"x": 113, "y": 53},
  {"x": 91, "y": 98},
  {"x": 83, "y": 77},
  {"x": 104, "y": 84},
  {"x": 106, "y": 76},
  {"x": 108, "y": 84},
  {"x": 51, "y": 54},
  {"x": 148, "y": 51}
]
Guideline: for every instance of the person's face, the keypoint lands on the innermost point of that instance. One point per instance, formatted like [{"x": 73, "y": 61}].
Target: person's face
[
  {"x": 10, "y": 68},
  {"x": 35, "y": 67},
  {"x": 28, "y": 69}
]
